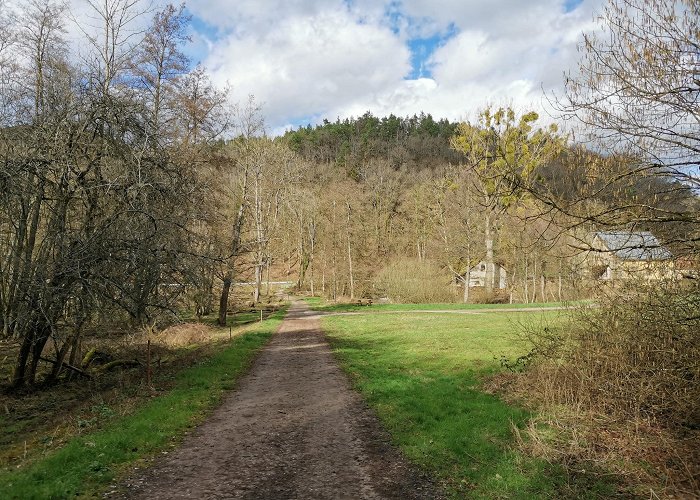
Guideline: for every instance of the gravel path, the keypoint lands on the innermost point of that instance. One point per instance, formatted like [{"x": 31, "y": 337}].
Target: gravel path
[{"x": 293, "y": 429}]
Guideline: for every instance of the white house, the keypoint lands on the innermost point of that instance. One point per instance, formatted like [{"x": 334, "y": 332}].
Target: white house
[{"x": 477, "y": 275}]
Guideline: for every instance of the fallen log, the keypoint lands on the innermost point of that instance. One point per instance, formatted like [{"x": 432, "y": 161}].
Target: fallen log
[
  {"x": 117, "y": 363},
  {"x": 70, "y": 367},
  {"x": 88, "y": 358}
]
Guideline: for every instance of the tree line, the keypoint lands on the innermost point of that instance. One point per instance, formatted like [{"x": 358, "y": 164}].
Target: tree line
[
  {"x": 104, "y": 171},
  {"x": 133, "y": 190}
]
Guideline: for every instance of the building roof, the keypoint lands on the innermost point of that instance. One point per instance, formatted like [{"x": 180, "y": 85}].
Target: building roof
[{"x": 638, "y": 245}]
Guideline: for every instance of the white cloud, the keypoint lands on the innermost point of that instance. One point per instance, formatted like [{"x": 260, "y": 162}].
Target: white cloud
[
  {"x": 328, "y": 58},
  {"x": 307, "y": 65},
  {"x": 506, "y": 51},
  {"x": 320, "y": 59}
]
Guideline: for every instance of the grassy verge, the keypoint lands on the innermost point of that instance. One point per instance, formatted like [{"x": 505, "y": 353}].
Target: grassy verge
[
  {"x": 319, "y": 304},
  {"x": 88, "y": 463},
  {"x": 423, "y": 374}
]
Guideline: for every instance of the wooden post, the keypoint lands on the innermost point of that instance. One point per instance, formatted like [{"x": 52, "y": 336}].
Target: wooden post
[
  {"x": 229, "y": 333},
  {"x": 261, "y": 314},
  {"x": 148, "y": 363}
]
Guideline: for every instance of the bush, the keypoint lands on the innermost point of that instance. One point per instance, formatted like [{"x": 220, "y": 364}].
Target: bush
[
  {"x": 637, "y": 355},
  {"x": 624, "y": 376},
  {"x": 412, "y": 281}
]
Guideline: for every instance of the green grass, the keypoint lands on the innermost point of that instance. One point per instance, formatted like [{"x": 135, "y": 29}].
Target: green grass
[
  {"x": 89, "y": 462},
  {"x": 422, "y": 374},
  {"x": 314, "y": 301},
  {"x": 319, "y": 304}
]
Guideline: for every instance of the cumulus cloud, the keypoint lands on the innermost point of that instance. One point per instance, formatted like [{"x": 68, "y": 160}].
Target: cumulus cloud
[
  {"x": 309, "y": 59},
  {"x": 504, "y": 50},
  {"x": 313, "y": 59},
  {"x": 308, "y": 64}
]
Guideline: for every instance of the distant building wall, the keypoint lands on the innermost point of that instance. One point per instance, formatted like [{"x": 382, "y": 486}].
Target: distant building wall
[{"x": 477, "y": 276}]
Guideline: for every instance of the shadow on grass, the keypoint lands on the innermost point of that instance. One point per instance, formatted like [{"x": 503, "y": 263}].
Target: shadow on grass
[
  {"x": 241, "y": 318},
  {"x": 446, "y": 425}
]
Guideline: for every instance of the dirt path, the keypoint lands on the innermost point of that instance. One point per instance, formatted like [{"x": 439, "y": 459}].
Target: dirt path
[{"x": 293, "y": 429}]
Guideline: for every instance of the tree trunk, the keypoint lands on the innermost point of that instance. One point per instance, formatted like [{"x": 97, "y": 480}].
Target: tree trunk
[
  {"x": 20, "y": 372},
  {"x": 335, "y": 256},
  {"x": 60, "y": 356},
  {"x": 352, "y": 278},
  {"x": 258, "y": 282},
  {"x": 303, "y": 266},
  {"x": 223, "y": 300},
  {"x": 488, "y": 240},
  {"x": 559, "y": 288},
  {"x": 467, "y": 276},
  {"x": 38, "y": 348},
  {"x": 525, "y": 290},
  {"x": 235, "y": 250},
  {"x": 312, "y": 245},
  {"x": 311, "y": 280},
  {"x": 543, "y": 285}
]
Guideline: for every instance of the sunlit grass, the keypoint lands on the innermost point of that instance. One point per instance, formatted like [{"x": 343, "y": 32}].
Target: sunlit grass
[
  {"x": 423, "y": 374},
  {"x": 90, "y": 461},
  {"x": 320, "y": 304}
]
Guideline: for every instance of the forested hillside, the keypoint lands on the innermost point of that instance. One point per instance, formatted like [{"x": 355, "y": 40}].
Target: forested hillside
[
  {"x": 415, "y": 142},
  {"x": 134, "y": 194},
  {"x": 132, "y": 191}
]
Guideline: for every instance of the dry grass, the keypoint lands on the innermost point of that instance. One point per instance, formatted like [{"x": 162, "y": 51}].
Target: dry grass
[
  {"x": 37, "y": 422},
  {"x": 645, "y": 458},
  {"x": 410, "y": 281},
  {"x": 618, "y": 389},
  {"x": 186, "y": 334}
]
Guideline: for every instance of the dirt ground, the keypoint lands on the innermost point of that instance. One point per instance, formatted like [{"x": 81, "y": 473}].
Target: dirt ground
[{"x": 293, "y": 428}]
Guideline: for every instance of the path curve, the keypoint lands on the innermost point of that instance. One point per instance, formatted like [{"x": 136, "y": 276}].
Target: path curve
[{"x": 293, "y": 428}]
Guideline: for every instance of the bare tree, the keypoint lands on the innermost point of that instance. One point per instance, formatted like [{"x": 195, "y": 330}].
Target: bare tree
[
  {"x": 240, "y": 154},
  {"x": 95, "y": 208},
  {"x": 234, "y": 246},
  {"x": 272, "y": 168},
  {"x": 114, "y": 37},
  {"x": 203, "y": 110},
  {"x": 159, "y": 63},
  {"x": 635, "y": 100},
  {"x": 41, "y": 39},
  {"x": 502, "y": 151}
]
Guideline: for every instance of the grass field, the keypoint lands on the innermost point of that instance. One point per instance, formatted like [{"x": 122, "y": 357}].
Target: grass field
[
  {"x": 89, "y": 462},
  {"x": 320, "y": 304},
  {"x": 422, "y": 373}
]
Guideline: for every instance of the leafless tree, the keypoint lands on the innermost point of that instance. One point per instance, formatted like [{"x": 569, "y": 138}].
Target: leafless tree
[
  {"x": 635, "y": 103},
  {"x": 160, "y": 64}
]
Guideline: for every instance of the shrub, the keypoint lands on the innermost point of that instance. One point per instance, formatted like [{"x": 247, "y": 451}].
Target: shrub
[
  {"x": 624, "y": 376},
  {"x": 414, "y": 281},
  {"x": 637, "y": 355}
]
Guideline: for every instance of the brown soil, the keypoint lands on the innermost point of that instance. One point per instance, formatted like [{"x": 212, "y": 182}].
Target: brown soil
[{"x": 294, "y": 428}]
